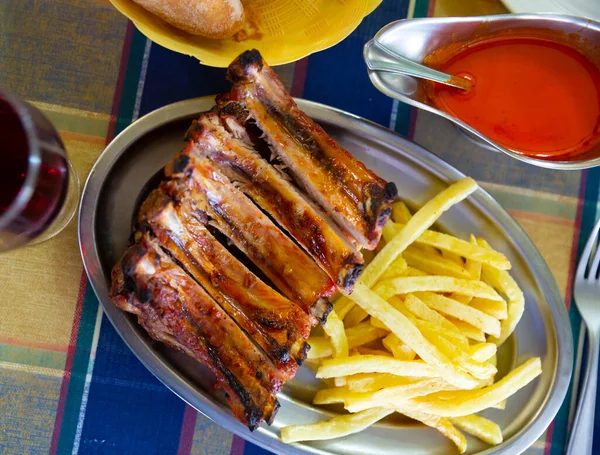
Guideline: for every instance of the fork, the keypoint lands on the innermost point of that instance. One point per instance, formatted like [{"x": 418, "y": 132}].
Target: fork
[{"x": 587, "y": 299}]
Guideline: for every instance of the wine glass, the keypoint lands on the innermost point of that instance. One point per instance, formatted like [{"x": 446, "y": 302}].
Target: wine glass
[{"x": 39, "y": 189}]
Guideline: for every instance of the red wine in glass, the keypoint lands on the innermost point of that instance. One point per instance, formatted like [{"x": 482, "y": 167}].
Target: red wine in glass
[{"x": 34, "y": 174}]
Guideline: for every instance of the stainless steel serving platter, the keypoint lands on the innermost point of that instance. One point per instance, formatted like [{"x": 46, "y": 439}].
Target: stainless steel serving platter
[{"x": 119, "y": 179}]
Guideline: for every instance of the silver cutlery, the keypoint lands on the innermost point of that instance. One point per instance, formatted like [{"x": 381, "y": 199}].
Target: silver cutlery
[{"x": 587, "y": 299}]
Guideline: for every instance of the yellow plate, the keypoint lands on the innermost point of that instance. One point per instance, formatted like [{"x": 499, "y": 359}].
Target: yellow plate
[{"x": 290, "y": 29}]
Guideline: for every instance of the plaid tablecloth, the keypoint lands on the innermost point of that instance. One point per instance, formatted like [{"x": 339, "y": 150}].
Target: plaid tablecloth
[{"x": 68, "y": 384}]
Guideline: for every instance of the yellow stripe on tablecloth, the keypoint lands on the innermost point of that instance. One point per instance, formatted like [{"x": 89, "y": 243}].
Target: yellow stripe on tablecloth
[
  {"x": 75, "y": 120},
  {"x": 525, "y": 199},
  {"x": 210, "y": 437},
  {"x": 553, "y": 238},
  {"x": 446, "y": 8},
  {"x": 31, "y": 369},
  {"x": 40, "y": 283},
  {"x": 48, "y": 107},
  {"x": 28, "y": 401}
]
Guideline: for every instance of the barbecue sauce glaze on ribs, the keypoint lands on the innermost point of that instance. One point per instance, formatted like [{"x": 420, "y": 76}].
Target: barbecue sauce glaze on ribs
[{"x": 259, "y": 221}]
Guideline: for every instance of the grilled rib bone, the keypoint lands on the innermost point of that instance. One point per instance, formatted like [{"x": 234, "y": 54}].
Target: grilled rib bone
[
  {"x": 276, "y": 324},
  {"x": 355, "y": 197},
  {"x": 165, "y": 298},
  {"x": 265, "y": 184}
]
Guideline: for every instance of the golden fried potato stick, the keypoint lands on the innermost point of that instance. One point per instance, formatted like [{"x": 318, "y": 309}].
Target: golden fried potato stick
[
  {"x": 482, "y": 351},
  {"x": 473, "y": 333},
  {"x": 405, "y": 285},
  {"x": 495, "y": 308},
  {"x": 360, "y": 401},
  {"x": 320, "y": 347},
  {"x": 461, "y": 311},
  {"x": 333, "y": 368},
  {"x": 334, "y": 328},
  {"x": 355, "y": 316},
  {"x": 410, "y": 335},
  {"x": 421, "y": 221},
  {"x": 363, "y": 333},
  {"x": 422, "y": 311},
  {"x": 480, "y": 427},
  {"x": 335, "y": 428},
  {"x": 332, "y": 395},
  {"x": 397, "y": 268},
  {"x": 449, "y": 243},
  {"x": 398, "y": 349},
  {"x": 480, "y": 370},
  {"x": 441, "y": 424},
  {"x": 502, "y": 281},
  {"x": 363, "y": 350},
  {"x": 433, "y": 265},
  {"x": 465, "y": 402},
  {"x": 452, "y": 336},
  {"x": 451, "y": 255},
  {"x": 370, "y": 382},
  {"x": 400, "y": 212}
]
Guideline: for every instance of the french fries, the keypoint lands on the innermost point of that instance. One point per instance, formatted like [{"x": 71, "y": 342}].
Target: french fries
[
  {"x": 339, "y": 426},
  {"x": 459, "y": 247},
  {"x": 333, "y": 368},
  {"x": 359, "y": 335},
  {"x": 370, "y": 382},
  {"x": 482, "y": 351},
  {"x": 480, "y": 427},
  {"x": 508, "y": 286},
  {"x": 465, "y": 402},
  {"x": 398, "y": 349},
  {"x": 422, "y": 220},
  {"x": 461, "y": 312},
  {"x": 436, "y": 265},
  {"x": 419, "y": 333},
  {"x": 360, "y": 401},
  {"x": 334, "y": 328},
  {"x": 441, "y": 424},
  {"x": 495, "y": 308},
  {"x": 405, "y": 285},
  {"x": 406, "y": 331},
  {"x": 400, "y": 212}
]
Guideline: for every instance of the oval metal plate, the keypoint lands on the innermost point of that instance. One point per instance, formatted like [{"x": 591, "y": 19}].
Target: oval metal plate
[{"x": 112, "y": 193}]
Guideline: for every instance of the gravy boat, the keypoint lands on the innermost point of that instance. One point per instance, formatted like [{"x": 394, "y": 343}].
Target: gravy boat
[{"x": 417, "y": 38}]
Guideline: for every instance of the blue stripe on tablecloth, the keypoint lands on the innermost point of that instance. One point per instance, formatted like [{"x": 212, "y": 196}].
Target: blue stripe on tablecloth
[
  {"x": 175, "y": 77},
  {"x": 251, "y": 449},
  {"x": 588, "y": 219},
  {"x": 338, "y": 76},
  {"x": 128, "y": 411}
]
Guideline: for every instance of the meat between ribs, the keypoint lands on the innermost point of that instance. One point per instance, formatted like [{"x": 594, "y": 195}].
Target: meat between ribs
[
  {"x": 357, "y": 199},
  {"x": 277, "y": 325},
  {"x": 275, "y": 194},
  {"x": 177, "y": 310},
  {"x": 292, "y": 271}
]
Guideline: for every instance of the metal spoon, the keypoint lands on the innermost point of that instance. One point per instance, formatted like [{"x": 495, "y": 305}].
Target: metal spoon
[{"x": 380, "y": 58}]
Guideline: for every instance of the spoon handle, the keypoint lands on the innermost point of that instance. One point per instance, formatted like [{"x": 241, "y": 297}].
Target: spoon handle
[
  {"x": 380, "y": 58},
  {"x": 582, "y": 434}
]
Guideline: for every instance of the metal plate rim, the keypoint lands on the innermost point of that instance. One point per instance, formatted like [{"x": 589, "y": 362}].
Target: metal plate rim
[{"x": 172, "y": 379}]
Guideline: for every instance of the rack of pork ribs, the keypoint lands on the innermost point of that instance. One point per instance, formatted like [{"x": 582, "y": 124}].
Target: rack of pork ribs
[{"x": 260, "y": 220}]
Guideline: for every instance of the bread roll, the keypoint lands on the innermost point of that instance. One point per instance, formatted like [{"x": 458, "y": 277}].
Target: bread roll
[{"x": 210, "y": 18}]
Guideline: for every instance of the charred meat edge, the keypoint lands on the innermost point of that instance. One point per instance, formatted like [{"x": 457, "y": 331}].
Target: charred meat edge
[
  {"x": 270, "y": 190},
  {"x": 278, "y": 326},
  {"x": 358, "y": 200},
  {"x": 149, "y": 281},
  {"x": 294, "y": 273}
]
